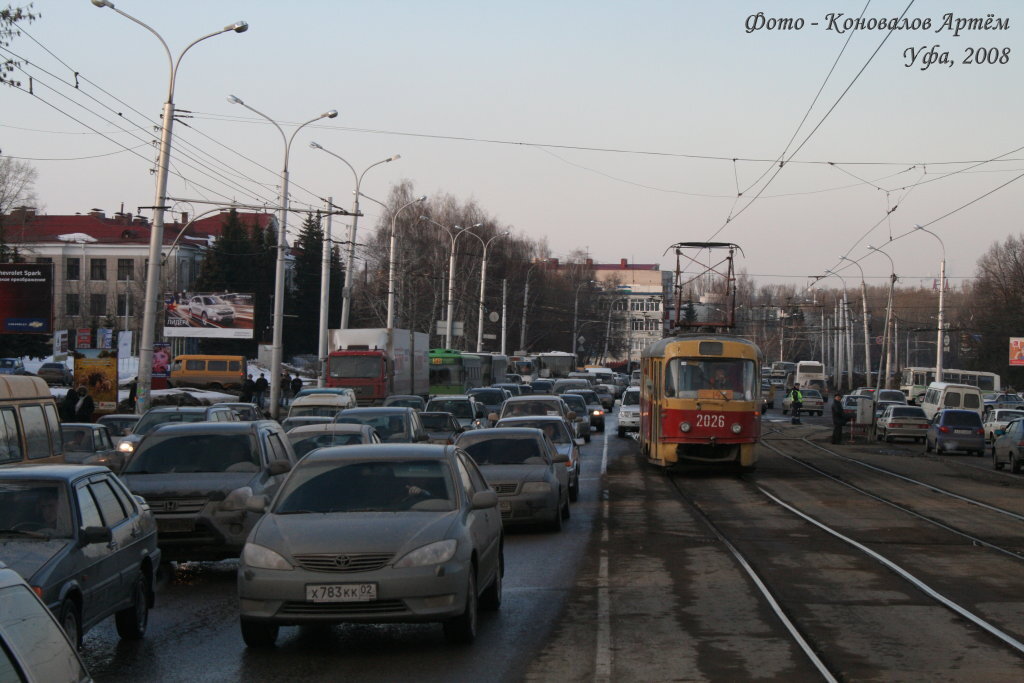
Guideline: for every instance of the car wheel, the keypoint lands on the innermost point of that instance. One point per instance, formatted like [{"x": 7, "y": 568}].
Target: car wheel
[
  {"x": 927, "y": 445},
  {"x": 258, "y": 634},
  {"x": 574, "y": 489},
  {"x": 132, "y": 620},
  {"x": 1014, "y": 464},
  {"x": 203, "y": 319},
  {"x": 555, "y": 525},
  {"x": 996, "y": 465},
  {"x": 785, "y": 411},
  {"x": 938, "y": 447},
  {"x": 600, "y": 428},
  {"x": 621, "y": 432},
  {"x": 71, "y": 620},
  {"x": 462, "y": 629},
  {"x": 586, "y": 437},
  {"x": 490, "y": 600}
]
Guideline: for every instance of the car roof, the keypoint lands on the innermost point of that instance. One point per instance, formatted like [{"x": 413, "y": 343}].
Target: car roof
[
  {"x": 178, "y": 409},
  {"x": 450, "y": 397},
  {"x": 390, "y": 452},
  {"x": 378, "y": 410},
  {"x": 533, "y": 418},
  {"x": 504, "y": 432},
  {"x": 329, "y": 428},
  {"x": 118, "y": 416},
  {"x": 547, "y": 398},
  {"x": 211, "y": 427},
  {"x": 51, "y": 472}
]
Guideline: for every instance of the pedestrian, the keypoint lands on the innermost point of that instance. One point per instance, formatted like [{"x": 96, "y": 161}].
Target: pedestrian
[
  {"x": 286, "y": 388},
  {"x": 67, "y": 406},
  {"x": 248, "y": 388},
  {"x": 838, "y": 418},
  {"x": 84, "y": 407},
  {"x": 260, "y": 387},
  {"x": 296, "y": 385},
  {"x": 796, "y": 399},
  {"x": 133, "y": 393}
]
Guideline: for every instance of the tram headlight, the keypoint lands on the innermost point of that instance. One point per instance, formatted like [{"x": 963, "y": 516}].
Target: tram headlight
[
  {"x": 736, "y": 428},
  {"x": 684, "y": 426}
]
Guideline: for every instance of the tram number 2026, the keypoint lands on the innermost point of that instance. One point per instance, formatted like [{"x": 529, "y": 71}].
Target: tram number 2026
[{"x": 710, "y": 421}]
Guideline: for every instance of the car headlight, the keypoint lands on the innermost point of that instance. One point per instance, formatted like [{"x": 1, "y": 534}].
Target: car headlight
[
  {"x": 684, "y": 426},
  {"x": 126, "y": 447},
  {"x": 736, "y": 428},
  {"x": 260, "y": 557},
  {"x": 536, "y": 487},
  {"x": 432, "y": 553},
  {"x": 598, "y": 413},
  {"x": 236, "y": 499}
]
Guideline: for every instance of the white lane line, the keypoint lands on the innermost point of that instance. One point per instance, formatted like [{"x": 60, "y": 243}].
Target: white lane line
[
  {"x": 604, "y": 454},
  {"x": 603, "y": 657}
]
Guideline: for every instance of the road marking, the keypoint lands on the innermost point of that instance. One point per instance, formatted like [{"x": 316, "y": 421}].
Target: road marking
[
  {"x": 604, "y": 455},
  {"x": 603, "y": 657}
]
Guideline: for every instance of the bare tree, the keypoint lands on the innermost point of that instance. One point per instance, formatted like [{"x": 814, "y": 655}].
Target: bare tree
[{"x": 17, "y": 184}]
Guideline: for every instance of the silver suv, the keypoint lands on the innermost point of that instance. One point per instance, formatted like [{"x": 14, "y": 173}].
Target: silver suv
[{"x": 629, "y": 411}]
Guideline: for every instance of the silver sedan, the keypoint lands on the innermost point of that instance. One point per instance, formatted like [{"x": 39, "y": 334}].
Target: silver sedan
[{"x": 384, "y": 533}]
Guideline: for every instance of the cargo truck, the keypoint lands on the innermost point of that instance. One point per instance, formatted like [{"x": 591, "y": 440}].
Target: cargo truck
[{"x": 377, "y": 363}]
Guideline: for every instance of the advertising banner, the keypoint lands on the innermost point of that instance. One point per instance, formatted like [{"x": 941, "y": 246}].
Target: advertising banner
[
  {"x": 26, "y": 298},
  {"x": 96, "y": 370},
  {"x": 1016, "y": 350},
  {"x": 225, "y": 315},
  {"x": 124, "y": 344},
  {"x": 60, "y": 344},
  {"x": 104, "y": 338},
  {"x": 161, "y": 365},
  {"x": 83, "y": 338}
]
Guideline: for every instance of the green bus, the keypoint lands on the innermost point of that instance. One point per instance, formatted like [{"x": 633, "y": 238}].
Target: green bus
[{"x": 454, "y": 372}]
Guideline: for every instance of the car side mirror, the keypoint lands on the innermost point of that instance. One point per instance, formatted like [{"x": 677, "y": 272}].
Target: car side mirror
[
  {"x": 571, "y": 415},
  {"x": 422, "y": 437},
  {"x": 257, "y": 504},
  {"x": 579, "y": 442},
  {"x": 493, "y": 417},
  {"x": 560, "y": 457},
  {"x": 94, "y": 534},
  {"x": 617, "y": 403},
  {"x": 278, "y": 467},
  {"x": 484, "y": 499}
]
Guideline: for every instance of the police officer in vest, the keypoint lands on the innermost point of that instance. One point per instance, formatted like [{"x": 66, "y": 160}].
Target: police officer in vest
[{"x": 796, "y": 398}]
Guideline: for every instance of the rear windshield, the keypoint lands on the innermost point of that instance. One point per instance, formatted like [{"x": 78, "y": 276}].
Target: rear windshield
[
  {"x": 961, "y": 419},
  {"x": 631, "y": 398},
  {"x": 160, "y": 454},
  {"x": 311, "y": 443},
  {"x": 150, "y": 421},
  {"x": 556, "y": 431},
  {"x": 490, "y": 450},
  {"x": 435, "y": 422},
  {"x": 909, "y": 411},
  {"x": 458, "y": 408},
  {"x": 490, "y": 396}
]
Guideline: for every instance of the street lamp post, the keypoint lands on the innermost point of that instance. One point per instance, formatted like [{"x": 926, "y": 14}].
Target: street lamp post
[
  {"x": 346, "y": 292},
  {"x": 575, "y": 312},
  {"x": 451, "y": 273},
  {"x": 942, "y": 289},
  {"x": 483, "y": 279},
  {"x": 282, "y": 235},
  {"x": 888, "y": 339},
  {"x": 867, "y": 337},
  {"x": 526, "y": 295},
  {"x": 391, "y": 262},
  {"x": 156, "y": 235},
  {"x": 846, "y": 332}
]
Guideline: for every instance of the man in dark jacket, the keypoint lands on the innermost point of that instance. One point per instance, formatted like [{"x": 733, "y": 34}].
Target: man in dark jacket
[
  {"x": 296, "y": 385},
  {"x": 85, "y": 406},
  {"x": 260, "y": 387},
  {"x": 838, "y": 418},
  {"x": 67, "y": 407},
  {"x": 248, "y": 388}
]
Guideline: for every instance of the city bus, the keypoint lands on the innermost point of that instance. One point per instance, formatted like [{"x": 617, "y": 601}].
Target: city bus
[
  {"x": 522, "y": 366},
  {"x": 914, "y": 381},
  {"x": 555, "y": 364},
  {"x": 453, "y": 372},
  {"x": 810, "y": 374}
]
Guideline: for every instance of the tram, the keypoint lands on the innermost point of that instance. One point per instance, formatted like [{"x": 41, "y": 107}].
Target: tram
[{"x": 700, "y": 401}]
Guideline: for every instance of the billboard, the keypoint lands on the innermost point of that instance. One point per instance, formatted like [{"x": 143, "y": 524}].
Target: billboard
[
  {"x": 26, "y": 298},
  {"x": 1016, "y": 350},
  {"x": 224, "y": 315},
  {"x": 96, "y": 369}
]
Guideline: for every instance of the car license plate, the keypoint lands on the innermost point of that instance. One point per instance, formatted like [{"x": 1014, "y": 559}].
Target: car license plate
[
  {"x": 341, "y": 592},
  {"x": 961, "y": 431},
  {"x": 504, "y": 505},
  {"x": 170, "y": 526}
]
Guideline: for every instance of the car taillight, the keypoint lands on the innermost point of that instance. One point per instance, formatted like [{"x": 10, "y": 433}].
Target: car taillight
[
  {"x": 980, "y": 431},
  {"x": 895, "y": 425},
  {"x": 944, "y": 429}
]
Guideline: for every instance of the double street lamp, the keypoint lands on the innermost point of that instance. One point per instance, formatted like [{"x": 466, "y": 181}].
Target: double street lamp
[
  {"x": 346, "y": 292},
  {"x": 942, "y": 289},
  {"x": 156, "y": 235},
  {"x": 483, "y": 279},
  {"x": 887, "y": 340},
  {"x": 526, "y": 294},
  {"x": 454, "y": 237},
  {"x": 867, "y": 338},
  {"x": 575, "y": 312},
  {"x": 282, "y": 232}
]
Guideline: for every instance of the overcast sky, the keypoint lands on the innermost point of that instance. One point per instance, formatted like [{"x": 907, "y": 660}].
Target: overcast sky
[{"x": 614, "y": 127}]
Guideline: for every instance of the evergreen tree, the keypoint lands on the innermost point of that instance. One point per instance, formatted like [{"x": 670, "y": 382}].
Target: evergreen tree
[{"x": 303, "y": 301}]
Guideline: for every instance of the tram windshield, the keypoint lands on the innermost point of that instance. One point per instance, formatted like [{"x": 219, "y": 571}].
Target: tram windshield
[{"x": 731, "y": 379}]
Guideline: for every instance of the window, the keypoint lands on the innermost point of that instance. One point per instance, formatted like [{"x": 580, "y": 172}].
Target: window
[
  {"x": 97, "y": 269},
  {"x": 195, "y": 365},
  {"x": 54, "y": 421},
  {"x": 124, "y": 305},
  {"x": 87, "y": 507},
  {"x": 36, "y": 437},
  {"x": 72, "y": 269},
  {"x": 278, "y": 451},
  {"x": 10, "y": 439},
  {"x": 44, "y": 259},
  {"x": 217, "y": 365},
  {"x": 97, "y": 304},
  {"x": 110, "y": 506},
  {"x": 71, "y": 306},
  {"x": 125, "y": 268}
]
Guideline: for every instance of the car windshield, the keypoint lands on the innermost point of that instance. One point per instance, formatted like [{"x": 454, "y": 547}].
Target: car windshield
[
  {"x": 311, "y": 443},
  {"x": 705, "y": 378},
  {"x": 314, "y": 411},
  {"x": 588, "y": 396},
  {"x": 631, "y": 398},
  {"x": 367, "y": 486},
  {"x": 355, "y": 367},
  {"x": 436, "y": 423},
  {"x": 405, "y": 402},
  {"x": 811, "y": 393},
  {"x": 891, "y": 395},
  {"x": 489, "y": 396},
  {"x": 575, "y": 402},
  {"x": 458, "y": 408},
  {"x": 176, "y": 453},
  {"x": 77, "y": 438},
  {"x": 961, "y": 418},
  {"x": 151, "y": 421},
  {"x": 555, "y": 430},
  {"x": 6, "y": 363},
  {"x": 493, "y": 450},
  {"x": 514, "y": 408},
  {"x": 34, "y": 508}
]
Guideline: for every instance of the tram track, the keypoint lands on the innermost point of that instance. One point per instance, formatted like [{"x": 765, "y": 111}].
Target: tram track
[{"x": 763, "y": 571}]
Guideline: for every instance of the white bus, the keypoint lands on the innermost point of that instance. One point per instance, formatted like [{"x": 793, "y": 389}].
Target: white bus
[
  {"x": 914, "y": 381},
  {"x": 810, "y": 374}
]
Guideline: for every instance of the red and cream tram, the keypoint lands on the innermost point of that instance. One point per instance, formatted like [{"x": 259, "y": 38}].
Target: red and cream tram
[{"x": 700, "y": 401}]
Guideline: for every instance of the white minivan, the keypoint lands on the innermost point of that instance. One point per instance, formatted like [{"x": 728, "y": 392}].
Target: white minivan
[{"x": 942, "y": 395}]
